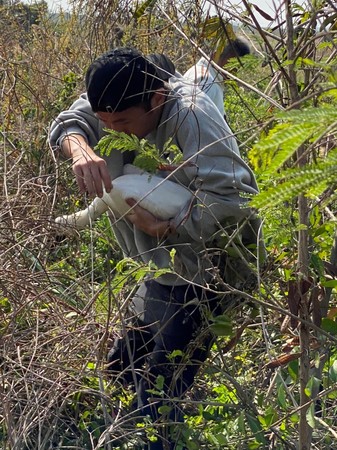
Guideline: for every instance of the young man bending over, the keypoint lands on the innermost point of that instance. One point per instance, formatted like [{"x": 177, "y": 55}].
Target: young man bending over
[{"x": 125, "y": 93}]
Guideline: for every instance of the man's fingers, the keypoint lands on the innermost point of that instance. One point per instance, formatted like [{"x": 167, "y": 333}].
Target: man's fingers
[
  {"x": 91, "y": 175},
  {"x": 79, "y": 179},
  {"x": 105, "y": 176},
  {"x": 131, "y": 201},
  {"x": 96, "y": 183}
]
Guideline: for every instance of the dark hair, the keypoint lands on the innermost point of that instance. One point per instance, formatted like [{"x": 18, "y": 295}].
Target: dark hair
[
  {"x": 120, "y": 79},
  {"x": 164, "y": 66},
  {"x": 236, "y": 48}
]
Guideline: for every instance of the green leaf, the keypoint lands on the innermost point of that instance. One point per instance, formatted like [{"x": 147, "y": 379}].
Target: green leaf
[
  {"x": 164, "y": 409},
  {"x": 281, "y": 396},
  {"x": 329, "y": 283},
  {"x": 268, "y": 418},
  {"x": 253, "y": 446},
  {"x": 294, "y": 418},
  {"x": 293, "y": 369},
  {"x": 295, "y": 129},
  {"x": 221, "y": 329},
  {"x": 207, "y": 415},
  {"x": 295, "y": 182},
  {"x": 281, "y": 143},
  {"x": 256, "y": 428},
  {"x": 332, "y": 395},
  {"x": 241, "y": 422},
  {"x": 115, "y": 140},
  {"x": 91, "y": 365},
  {"x": 174, "y": 354},
  {"x": 148, "y": 157},
  {"x": 324, "y": 115},
  {"x": 329, "y": 325},
  {"x": 148, "y": 4},
  {"x": 312, "y": 386},
  {"x": 310, "y": 416},
  {"x": 191, "y": 446},
  {"x": 306, "y": 62},
  {"x": 333, "y": 372},
  {"x": 222, "y": 326},
  {"x": 5, "y": 305},
  {"x": 146, "y": 162},
  {"x": 160, "y": 382},
  {"x": 221, "y": 439}
]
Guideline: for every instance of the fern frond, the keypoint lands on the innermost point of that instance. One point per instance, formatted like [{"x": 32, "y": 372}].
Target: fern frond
[
  {"x": 279, "y": 146},
  {"x": 323, "y": 114},
  {"x": 311, "y": 180},
  {"x": 147, "y": 162},
  {"x": 105, "y": 146},
  {"x": 115, "y": 140},
  {"x": 148, "y": 157},
  {"x": 295, "y": 129},
  {"x": 332, "y": 156}
]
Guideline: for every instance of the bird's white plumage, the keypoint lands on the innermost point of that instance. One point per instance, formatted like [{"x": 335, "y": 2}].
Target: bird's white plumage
[{"x": 160, "y": 196}]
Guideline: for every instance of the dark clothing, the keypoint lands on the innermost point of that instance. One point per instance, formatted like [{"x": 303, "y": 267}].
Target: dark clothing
[{"x": 165, "y": 347}]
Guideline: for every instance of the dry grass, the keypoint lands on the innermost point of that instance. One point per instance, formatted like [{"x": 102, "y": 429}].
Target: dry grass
[{"x": 56, "y": 312}]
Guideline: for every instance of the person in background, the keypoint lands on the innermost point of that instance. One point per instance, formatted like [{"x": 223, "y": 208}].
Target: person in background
[
  {"x": 167, "y": 337},
  {"x": 209, "y": 79}
]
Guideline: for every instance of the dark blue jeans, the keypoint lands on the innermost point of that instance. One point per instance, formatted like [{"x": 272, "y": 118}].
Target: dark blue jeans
[{"x": 163, "y": 350}]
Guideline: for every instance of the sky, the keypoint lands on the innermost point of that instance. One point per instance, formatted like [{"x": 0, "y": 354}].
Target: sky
[
  {"x": 268, "y": 6},
  {"x": 56, "y": 4}
]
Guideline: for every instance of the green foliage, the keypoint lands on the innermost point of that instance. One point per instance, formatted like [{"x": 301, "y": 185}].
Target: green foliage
[
  {"x": 68, "y": 90},
  {"x": 222, "y": 326},
  {"x": 144, "y": 6},
  {"x": 129, "y": 270},
  {"x": 147, "y": 156},
  {"x": 244, "y": 109},
  {"x": 63, "y": 302},
  {"x": 297, "y": 128}
]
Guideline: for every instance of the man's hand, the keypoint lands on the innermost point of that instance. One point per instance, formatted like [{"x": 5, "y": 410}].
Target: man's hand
[
  {"x": 147, "y": 222},
  {"x": 90, "y": 170}
]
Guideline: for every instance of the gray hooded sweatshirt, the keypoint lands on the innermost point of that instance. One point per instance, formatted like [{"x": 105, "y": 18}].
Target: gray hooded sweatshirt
[{"x": 213, "y": 170}]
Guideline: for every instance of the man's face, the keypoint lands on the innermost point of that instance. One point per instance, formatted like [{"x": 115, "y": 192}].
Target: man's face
[{"x": 135, "y": 120}]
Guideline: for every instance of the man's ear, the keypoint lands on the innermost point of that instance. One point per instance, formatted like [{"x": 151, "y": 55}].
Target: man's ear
[{"x": 158, "y": 98}]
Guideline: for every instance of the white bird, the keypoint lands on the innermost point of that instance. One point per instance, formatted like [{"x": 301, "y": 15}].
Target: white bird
[{"x": 161, "y": 197}]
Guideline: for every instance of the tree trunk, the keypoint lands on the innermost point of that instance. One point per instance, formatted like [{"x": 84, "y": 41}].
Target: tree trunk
[{"x": 305, "y": 431}]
